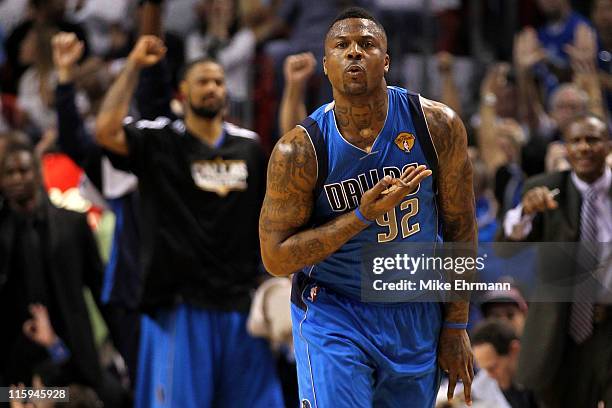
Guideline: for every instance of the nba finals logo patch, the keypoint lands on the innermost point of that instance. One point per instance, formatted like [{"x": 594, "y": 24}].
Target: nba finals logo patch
[
  {"x": 220, "y": 176},
  {"x": 305, "y": 403},
  {"x": 405, "y": 141}
]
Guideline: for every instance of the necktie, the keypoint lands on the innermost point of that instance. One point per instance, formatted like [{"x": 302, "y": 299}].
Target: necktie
[{"x": 581, "y": 312}]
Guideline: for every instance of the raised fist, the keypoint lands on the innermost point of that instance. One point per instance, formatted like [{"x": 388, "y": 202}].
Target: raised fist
[
  {"x": 67, "y": 50},
  {"x": 149, "y": 50},
  {"x": 299, "y": 67}
]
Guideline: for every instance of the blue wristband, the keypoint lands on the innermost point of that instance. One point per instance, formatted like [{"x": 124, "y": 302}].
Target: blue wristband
[
  {"x": 359, "y": 215},
  {"x": 58, "y": 351},
  {"x": 451, "y": 325}
]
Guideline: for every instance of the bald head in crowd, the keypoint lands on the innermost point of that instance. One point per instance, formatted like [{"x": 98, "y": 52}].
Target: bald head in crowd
[{"x": 567, "y": 101}]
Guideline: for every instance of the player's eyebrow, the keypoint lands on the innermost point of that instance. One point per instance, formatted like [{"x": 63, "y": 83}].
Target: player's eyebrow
[{"x": 361, "y": 37}]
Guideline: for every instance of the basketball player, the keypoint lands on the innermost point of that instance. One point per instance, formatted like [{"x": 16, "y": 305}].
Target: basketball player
[
  {"x": 334, "y": 183},
  {"x": 201, "y": 182}
]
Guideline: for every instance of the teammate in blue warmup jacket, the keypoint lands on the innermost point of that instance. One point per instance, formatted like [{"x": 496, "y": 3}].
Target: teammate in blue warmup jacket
[{"x": 379, "y": 164}]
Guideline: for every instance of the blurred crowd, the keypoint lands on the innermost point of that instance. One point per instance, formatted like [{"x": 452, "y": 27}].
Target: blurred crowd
[{"x": 518, "y": 73}]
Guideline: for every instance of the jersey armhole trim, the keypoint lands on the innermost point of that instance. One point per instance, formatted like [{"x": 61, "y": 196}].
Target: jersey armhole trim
[
  {"x": 427, "y": 125},
  {"x": 421, "y": 127}
]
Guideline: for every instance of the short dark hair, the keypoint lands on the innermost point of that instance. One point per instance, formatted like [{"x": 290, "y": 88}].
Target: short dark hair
[
  {"x": 496, "y": 332},
  {"x": 17, "y": 144},
  {"x": 187, "y": 67},
  {"x": 357, "y": 12}
]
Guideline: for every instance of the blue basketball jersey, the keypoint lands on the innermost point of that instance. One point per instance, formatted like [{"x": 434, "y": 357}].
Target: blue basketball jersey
[{"x": 346, "y": 172}]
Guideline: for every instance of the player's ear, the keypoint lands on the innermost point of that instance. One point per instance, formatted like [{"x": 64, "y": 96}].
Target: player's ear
[
  {"x": 324, "y": 66},
  {"x": 183, "y": 88},
  {"x": 387, "y": 62}
]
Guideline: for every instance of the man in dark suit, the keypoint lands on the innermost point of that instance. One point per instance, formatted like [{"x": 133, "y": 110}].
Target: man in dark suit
[
  {"x": 47, "y": 256},
  {"x": 567, "y": 349}
]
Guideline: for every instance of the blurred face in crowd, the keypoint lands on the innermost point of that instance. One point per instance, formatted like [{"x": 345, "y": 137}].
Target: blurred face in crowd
[
  {"x": 508, "y": 312},
  {"x": 204, "y": 89},
  {"x": 223, "y": 8},
  {"x": 566, "y": 103},
  {"x": 356, "y": 58},
  {"x": 602, "y": 17},
  {"x": 19, "y": 177},
  {"x": 499, "y": 367},
  {"x": 553, "y": 9},
  {"x": 588, "y": 145}
]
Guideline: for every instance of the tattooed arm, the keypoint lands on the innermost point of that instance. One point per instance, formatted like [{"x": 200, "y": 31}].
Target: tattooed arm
[
  {"x": 109, "y": 122},
  {"x": 456, "y": 202},
  {"x": 292, "y": 174}
]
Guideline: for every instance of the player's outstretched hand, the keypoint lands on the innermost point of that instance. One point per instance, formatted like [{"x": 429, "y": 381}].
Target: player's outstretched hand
[
  {"x": 455, "y": 358},
  {"x": 539, "y": 199},
  {"x": 149, "y": 50},
  {"x": 389, "y": 191}
]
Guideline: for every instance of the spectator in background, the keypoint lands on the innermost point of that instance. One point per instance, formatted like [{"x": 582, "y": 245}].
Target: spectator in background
[
  {"x": 565, "y": 101},
  {"x": 121, "y": 288},
  {"x": 35, "y": 92},
  {"x": 510, "y": 310},
  {"x": 103, "y": 21},
  {"x": 48, "y": 13},
  {"x": 48, "y": 256},
  {"x": 500, "y": 137},
  {"x": 53, "y": 372},
  {"x": 496, "y": 351},
  {"x": 229, "y": 36},
  {"x": 566, "y": 349},
  {"x": 509, "y": 306},
  {"x": 561, "y": 22},
  {"x": 498, "y": 91}
]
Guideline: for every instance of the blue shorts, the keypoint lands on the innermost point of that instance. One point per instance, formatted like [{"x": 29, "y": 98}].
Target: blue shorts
[
  {"x": 192, "y": 357},
  {"x": 354, "y": 354}
]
